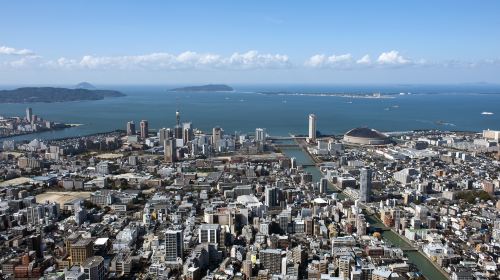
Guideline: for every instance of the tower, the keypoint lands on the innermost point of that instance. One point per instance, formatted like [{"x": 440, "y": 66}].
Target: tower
[
  {"x": 144, "y": 129},
  {"x": 187, "y": 135},
  {"x": 260, "y": 135},
  {"x": 29, "y": 114},
  {"x": 174, "y": 245},
  {"x": 169, "y": 150},
  {"x": 312, "y": 128},
  {"x": 365, "y": 186},
  {"x": 216, "y": 137},
  {"x": 130, "y": 128},
  {"x": 323, "y": 185}
]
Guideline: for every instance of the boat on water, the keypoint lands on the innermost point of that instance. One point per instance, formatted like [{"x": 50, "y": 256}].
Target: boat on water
[{"x": 487, "y": 113}]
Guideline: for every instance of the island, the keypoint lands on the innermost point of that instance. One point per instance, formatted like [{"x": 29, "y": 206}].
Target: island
[
  {"x": 204, "y": 88},
  {"x": 85, "y": 85},
  {"x": 54, "y": 94}
]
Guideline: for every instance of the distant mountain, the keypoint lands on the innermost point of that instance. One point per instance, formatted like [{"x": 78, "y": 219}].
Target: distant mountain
[
  {"x": 52, "y": 94},
  {"x": 206, "y": 88},
  {"x": 85, "y": 85}
]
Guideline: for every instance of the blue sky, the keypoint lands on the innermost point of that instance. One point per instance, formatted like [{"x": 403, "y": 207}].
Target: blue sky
[{"x": 161, "y": 42}]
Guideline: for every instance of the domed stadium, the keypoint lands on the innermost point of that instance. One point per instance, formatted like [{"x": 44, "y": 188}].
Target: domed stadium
[{"x": 366, "y": 136}]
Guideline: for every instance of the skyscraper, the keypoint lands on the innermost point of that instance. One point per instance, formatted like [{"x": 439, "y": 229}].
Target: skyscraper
[
  {"x": 365, "y": 187},
  {"x": 260, "y": 135},
  {"x": 323, "y": 185},
  {"x": 29, "y": 114},
  {"x": 169, "y": 150},
  {"x": 144, "y": 129},
  {"x": 163, "y": 134},
  {"x": 174, "y": 245},
  {"x": 216, "y": 137},
  {"x": 35, "y": 244},
  {"x": 293, "y": 162},
  {"x": 312, "y": 128},
  {"x": 273, "y": 197},
  {"x": 130, "y": 128},
  {"x": 187, "y": 134}
]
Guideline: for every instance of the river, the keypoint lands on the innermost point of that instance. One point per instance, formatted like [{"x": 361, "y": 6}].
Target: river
[{"x": 423, "y": 264}]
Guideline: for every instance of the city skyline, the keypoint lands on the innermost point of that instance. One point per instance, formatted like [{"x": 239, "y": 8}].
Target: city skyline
[{"x": 278, "y": 42}]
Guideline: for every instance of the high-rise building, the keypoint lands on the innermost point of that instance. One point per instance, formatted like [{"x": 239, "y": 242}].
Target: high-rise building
[
  {"x": 209, "y": 233},
  {"x": 81, "y": 250},
  {"x": 312, "y": 128},
  {"x": 130, "y": 128},
  {"x": 93, "y": 268},
  {"x": 260, "y": 135},
  {"x": 170, "y": 150},
  {"x": 178, "y": 132},
  {"x": 272, "y": 197},
  {"x": 396, "y": 216},
  {"x": 174, "y": 245},
  {"x": 216, "y": 137},
  {"x": 144, "y": 129},
  {"x": 365, "y": 186},
  {"x": 163, "y": 134},
  {"x": 35, "y": 244},
  {"x": 247, "y": 268},
  {"x": 271, "y": 260},
  {"x": 360, "y": 225},
  {"x": 323, "y": 185},
  {"x": 29, "y": 114},
  {"x": 284, "y": 219},
  {"x": 344, "y": 264},
  {"x": 188, "y": 134}
]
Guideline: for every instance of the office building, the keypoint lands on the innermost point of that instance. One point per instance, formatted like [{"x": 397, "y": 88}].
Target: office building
[
  {"x": 271, "y": 260},
  {"x": 360, "y": 225},
  {"x": 144, "y": 129},
  {"x": 29, "y": 114},
  {"x": 323, "y": 185},
  {"x": 365, "y": 185},
  {"x": 312, "y": 128},
  {"x": 272, "y": 197},
  {"x": 35, "y": 244},
  {"x": 188, "y": 134},
  {"x": 93, "y": 268},
  {"x": 209, "y": 233},
  {"x": 163, "y": 134},
  {"x": 260, "y": 135},
  {"x": 170, "y": 150},
  {"x": 174, "y": 245},
  {"x": 247, "y": 268},
  {"x": 81, "y": 250},
  {"x": 216, "y": 137},
  {"x": 344, "y": 264},
  {"x": 130, "y": 128}
]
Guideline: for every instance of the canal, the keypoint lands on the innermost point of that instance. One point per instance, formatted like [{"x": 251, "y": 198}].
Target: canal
[{"x": 424, "y": 265}]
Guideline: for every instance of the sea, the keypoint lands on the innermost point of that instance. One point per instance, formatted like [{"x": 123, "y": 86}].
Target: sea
[{"x": 280, "y": 109}]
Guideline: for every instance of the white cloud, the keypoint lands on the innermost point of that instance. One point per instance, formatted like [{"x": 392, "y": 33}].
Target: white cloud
[
  {"x": 12, "y": 51},
  {"x": 323, "y": 61},
  {"x": 364, "y": 60},
  {"x": 253, "y": 59},
  {"x": 346, "y": 61},
  {"x": 392, "y": 58},
  {"x": 167, "y": 61}
]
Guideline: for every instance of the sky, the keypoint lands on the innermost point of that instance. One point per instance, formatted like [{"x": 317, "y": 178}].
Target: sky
[{"x": 188, "y": 42}]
